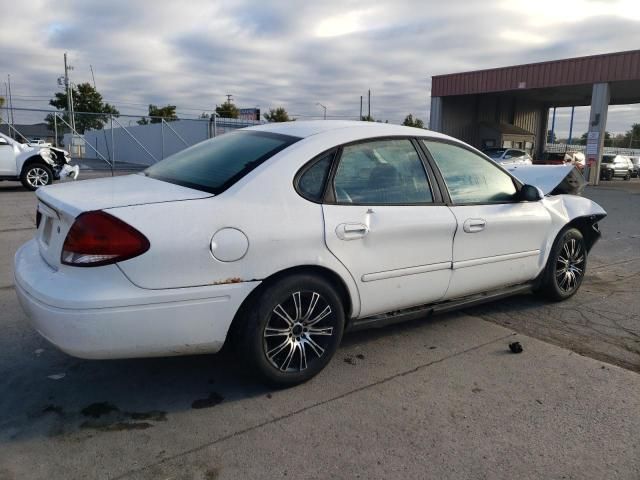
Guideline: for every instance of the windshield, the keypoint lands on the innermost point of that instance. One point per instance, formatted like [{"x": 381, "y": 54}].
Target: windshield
[
  {"x": 608, "y": 158},
  {"x": 214, "y": 165},
  {"x": 495, "y": 152}
]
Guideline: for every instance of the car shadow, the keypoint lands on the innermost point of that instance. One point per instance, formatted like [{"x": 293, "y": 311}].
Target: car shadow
[{"x": 45, "y": 385}]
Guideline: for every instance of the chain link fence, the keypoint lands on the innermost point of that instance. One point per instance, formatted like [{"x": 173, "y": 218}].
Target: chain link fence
[
  {"x": 563, "y": 148},
  {"x": 105, "y": 141}
]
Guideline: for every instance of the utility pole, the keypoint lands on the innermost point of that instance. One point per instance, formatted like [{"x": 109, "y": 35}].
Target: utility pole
[
  {"x": 229, "y": 97},
  {"x": 10, "y": 101},
  {"x": 93, "y": 77},
  {"x": 360, "y": 108},
  {"x": 67, "y": 85},
  {"x": 369, "y": 102},
  {"x": 6, "y": 97},
  {"x": 325, "y": 109}
]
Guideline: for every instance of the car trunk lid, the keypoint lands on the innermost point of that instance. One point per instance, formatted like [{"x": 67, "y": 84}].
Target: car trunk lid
[{"x": 59, "y": 205}]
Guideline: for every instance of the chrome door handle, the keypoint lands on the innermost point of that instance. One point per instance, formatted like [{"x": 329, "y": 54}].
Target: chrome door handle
[
  {"x": 474, "y": 225},
  {"x": 351, "y": 231}
]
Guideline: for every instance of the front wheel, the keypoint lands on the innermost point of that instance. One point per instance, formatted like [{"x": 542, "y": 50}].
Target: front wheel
[
  {"x": 292, "y": 329},
  {"x": 566, "y": 265},
  {"x": 36, "y": 175}
]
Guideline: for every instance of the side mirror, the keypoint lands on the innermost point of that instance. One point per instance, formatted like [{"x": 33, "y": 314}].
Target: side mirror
[
  {"x": 529, "y": 193},
  {"x": 507, "y": 157},
  {"x": 3, "y": 142}
]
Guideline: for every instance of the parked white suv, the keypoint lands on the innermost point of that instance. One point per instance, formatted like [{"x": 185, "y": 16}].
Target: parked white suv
[{"x": 34, "y": 166}]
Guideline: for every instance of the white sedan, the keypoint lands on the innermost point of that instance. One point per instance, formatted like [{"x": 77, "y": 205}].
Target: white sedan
[{"x": 283, "y": 236}]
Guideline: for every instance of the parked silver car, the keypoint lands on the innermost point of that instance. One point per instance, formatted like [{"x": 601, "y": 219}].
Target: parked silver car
[
  {"x": 615, "y": 166},
  {"x": 508, "y": 156}
]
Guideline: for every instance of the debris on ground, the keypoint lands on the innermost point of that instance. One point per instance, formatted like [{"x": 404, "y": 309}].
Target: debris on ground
[
  {"x": 515, "y": 347},
  {"x": 57, "y": 376}
]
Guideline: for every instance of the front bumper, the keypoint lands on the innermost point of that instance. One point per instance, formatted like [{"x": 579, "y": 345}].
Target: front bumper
[{"x": 98, "y": 313}]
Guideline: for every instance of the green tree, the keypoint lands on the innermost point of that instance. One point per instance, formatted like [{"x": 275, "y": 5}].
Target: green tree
[
  {"x": 85, "y": 99},
  {"x": 409, "y": 121},
  {"x": 632, "y": 137},
  {"x": 608, "y": 141},
  {"x": 1, "y": 105},
  {"x": 228, "y": 110},
  {"x": 367, "y": 118},
  {"x": 168, "y": 113},
  {"x": 278, "y": 115}
]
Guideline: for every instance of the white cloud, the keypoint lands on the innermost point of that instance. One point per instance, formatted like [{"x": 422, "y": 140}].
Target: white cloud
[{"x": 294, "y": 54}]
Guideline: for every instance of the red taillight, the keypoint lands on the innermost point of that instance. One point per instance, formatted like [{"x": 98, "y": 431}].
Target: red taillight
[{"x": 97, "y": 238}]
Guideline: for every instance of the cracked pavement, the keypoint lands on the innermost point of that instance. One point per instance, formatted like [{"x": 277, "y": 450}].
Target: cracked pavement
[{"x": 603, "y": 319}]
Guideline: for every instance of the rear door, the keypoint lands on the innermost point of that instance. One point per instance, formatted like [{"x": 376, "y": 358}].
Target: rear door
[
  {"x": 388, "y": 226},
  {"x": 499, "y": 241}
]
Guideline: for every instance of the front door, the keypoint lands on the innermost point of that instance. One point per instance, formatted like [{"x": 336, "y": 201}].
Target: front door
[
  {"x": 385, "y": 227},
  {"x": 499, "y": 240}
]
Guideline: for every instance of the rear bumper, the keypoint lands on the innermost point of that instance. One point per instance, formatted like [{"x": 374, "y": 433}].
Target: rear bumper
[{"x": 105, "y": 316}]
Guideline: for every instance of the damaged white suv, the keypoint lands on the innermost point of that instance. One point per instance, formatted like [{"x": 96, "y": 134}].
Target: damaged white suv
[
  {"x": 283, "y": 236},
  {"x": 33, "y": 165}
]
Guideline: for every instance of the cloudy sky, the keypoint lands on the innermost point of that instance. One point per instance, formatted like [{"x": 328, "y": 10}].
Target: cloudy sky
[{"x": 295, "y": 54}]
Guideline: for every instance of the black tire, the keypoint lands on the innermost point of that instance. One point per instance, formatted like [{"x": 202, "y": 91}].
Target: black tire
[
  {"x": 289, "y": 354},
  {"x": 627, "y": 176},
  {"x": 566, "y": 266},
  {"x": 36, "y": 175}
]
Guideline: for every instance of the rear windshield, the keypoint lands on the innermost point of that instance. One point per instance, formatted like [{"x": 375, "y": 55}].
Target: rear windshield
[
  {"x": 494, "y": 152},
  {"x": 214, "y": 165}
]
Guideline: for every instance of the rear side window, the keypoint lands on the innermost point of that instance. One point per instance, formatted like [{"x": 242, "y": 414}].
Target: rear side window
[
  {"x": 312, "y": 181},
  {"x": 471, "y": 178},
  {"x": 214, "y": 165}
]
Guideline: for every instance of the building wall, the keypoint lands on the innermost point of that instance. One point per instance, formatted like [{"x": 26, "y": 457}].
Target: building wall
[{"x": 461, "y": 116}]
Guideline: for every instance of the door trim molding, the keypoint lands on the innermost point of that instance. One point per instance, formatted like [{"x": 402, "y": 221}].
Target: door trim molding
[
  {"x": 402, "y": 272},
  {"x": 498, "y": 258}
]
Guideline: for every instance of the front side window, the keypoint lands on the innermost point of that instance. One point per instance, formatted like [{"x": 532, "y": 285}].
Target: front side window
[
  {"x": 469, "y": 177},
  {"x": 214, "y": 165},
  {"x": 381, "y": 172}
]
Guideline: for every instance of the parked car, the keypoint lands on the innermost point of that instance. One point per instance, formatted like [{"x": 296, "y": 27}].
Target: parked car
[
  {"x": 635, "y": 161},
  {"x": 508, "y": 156},
  {"x": 282, "y": 236},
  {"x": 615, "y": 166},
  {"x": 34, "y": 166}
]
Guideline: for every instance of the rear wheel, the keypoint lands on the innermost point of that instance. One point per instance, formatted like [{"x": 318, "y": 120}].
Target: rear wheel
[
  {"x": 627, "y": 176},
  {"x": 292, "y": 329},
  {"x": 36, "y": 175},
  {"x": 566, "y": 265}
]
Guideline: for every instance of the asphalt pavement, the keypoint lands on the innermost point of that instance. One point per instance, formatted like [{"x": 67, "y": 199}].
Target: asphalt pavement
[{"x": 434, "y": 398}]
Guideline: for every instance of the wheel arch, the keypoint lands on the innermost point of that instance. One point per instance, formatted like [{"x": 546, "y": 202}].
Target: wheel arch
[
  {"x": 588, "y": 226},
  {"x": 31, "y": 160},
  {"x": 327, "y": 274}
]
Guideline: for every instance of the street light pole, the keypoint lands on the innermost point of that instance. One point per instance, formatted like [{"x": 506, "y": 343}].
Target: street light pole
[{"x": 325, "y": 109}]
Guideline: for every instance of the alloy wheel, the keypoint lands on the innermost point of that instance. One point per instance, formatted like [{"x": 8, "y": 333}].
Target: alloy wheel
[
  {"x": 37, "y": 177},
  {"x": 570, "y": 265},
  {"x": 298, "y": 331}
]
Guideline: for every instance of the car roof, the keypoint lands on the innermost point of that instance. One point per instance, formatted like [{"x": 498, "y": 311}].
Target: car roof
[{"x": 304, "y": 129}]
